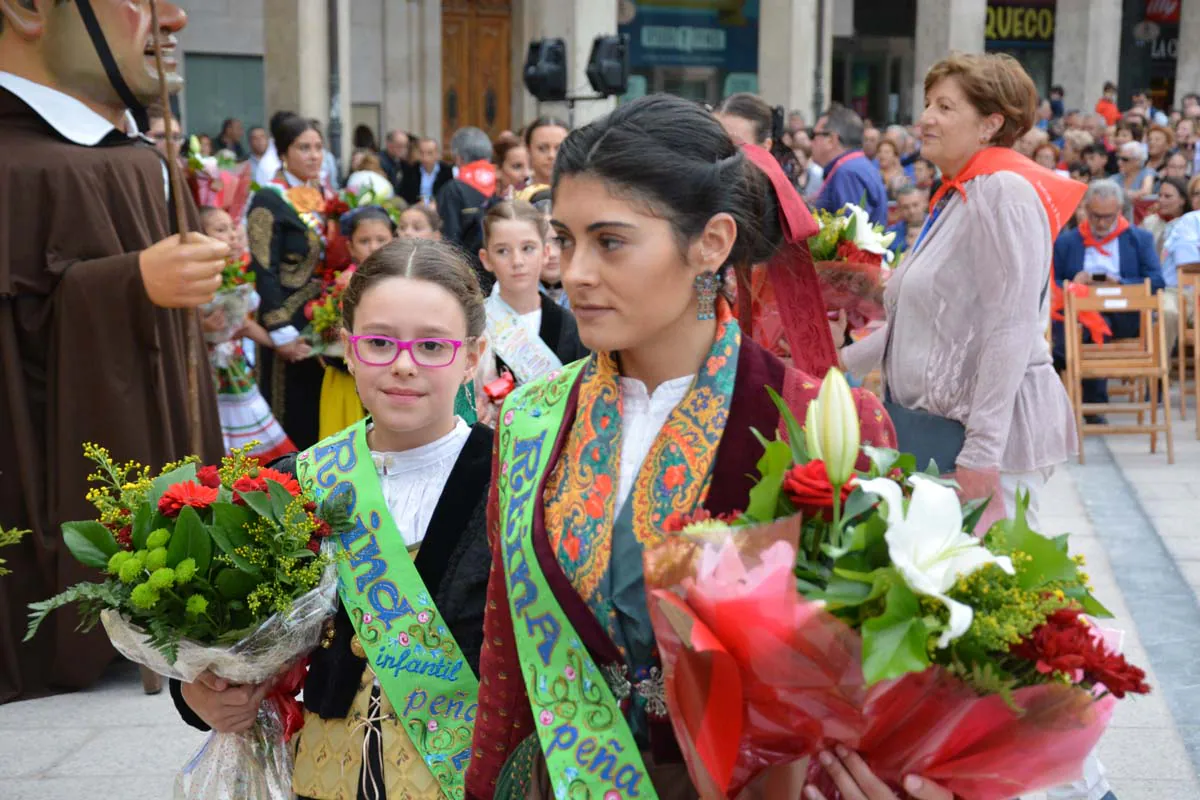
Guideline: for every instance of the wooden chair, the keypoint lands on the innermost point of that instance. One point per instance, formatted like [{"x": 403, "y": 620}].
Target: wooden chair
[
  {"x": 1189, "y": 338},
  {"x": 1142, "y": 361}
]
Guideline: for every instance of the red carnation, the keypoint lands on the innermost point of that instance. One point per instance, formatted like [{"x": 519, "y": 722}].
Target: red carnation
[
  {"x": 809, "y": 489},
  {"x": 323, "y": 529},
  {"x": 849, "y": 251},
  {"x": 282, "y": 478},
  {"x": 314, "y": 545},
  {"x": 1067, "y": 644},
  {"x": 245, "y": 485},
  {"x": 124, "y": 537},
  {"x": 187, "y": 493},
  {"x": 208, "y": 476},
  {"x": 310, "y": 507}
]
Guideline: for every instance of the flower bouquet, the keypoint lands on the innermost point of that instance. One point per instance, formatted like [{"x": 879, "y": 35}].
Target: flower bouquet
[
  {"x": 236, "y": 297},
  {"x": 218, "y": 181},
  {"x": 859, "y": 608},
  {"x": 218, "y": 569},
  {"x": 850, "y": 255},
  {"x": 324, "y": 314}
]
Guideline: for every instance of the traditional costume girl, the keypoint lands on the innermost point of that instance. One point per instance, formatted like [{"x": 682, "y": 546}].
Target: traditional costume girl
[
  {"x": 286, "y": 228},
  {"x": 390, "y": 696},
  {"x": 532, "y": 345},
  {"x": 588, "y": 468}
]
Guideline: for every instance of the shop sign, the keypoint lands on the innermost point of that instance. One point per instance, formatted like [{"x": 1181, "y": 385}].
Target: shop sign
[
  {"x": 1026, "y": 22},
  {"x": 1163, "y": 11}
]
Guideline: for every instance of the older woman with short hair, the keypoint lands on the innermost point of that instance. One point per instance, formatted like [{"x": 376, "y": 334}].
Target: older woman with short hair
[
  {"x": 963, "y": 354},
  {"x": 1136, "y": 178}
]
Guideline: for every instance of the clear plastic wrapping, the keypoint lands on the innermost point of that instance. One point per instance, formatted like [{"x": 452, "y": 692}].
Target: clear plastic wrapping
[{"x": 256, "y": 764}]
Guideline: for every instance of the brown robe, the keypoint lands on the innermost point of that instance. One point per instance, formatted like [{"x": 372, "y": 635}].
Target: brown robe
[{"x": 84, "y": 357}]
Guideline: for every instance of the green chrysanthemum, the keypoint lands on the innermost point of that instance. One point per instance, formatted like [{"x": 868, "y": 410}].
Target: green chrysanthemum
[
  {"x": 184, "y": 571},
  {"x": 158, "y": 538},
  {"x": 117, "y": 561},
  {"x": 196, "y": 605},
  {"x": 130, "y": 570},
  {"x": 144, "y": 596},
  {"x": 156, "y": 559},
  {"x": 162, "y": 578}
]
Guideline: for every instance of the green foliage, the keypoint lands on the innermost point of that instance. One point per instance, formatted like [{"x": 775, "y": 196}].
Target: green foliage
[{"x": 10, "y": 536}]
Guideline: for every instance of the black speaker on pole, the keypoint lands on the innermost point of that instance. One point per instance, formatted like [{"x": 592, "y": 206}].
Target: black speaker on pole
[
  {"x": 608, "y": 66},
  {"x": 546, "y": 70}
]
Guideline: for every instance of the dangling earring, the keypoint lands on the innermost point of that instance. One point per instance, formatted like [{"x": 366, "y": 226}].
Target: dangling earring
[{"x": 706, "y": 284}]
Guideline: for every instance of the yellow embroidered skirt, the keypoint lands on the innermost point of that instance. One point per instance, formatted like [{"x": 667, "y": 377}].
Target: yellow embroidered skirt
[
  {"x": 329, "y": 753},
  {"x": 340, "y": 407}
]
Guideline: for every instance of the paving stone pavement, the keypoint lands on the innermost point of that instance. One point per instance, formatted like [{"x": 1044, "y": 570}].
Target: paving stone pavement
[{"x": 1134, "y": 517}]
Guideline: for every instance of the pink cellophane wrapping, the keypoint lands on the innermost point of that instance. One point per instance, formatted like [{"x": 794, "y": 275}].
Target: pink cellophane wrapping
[
  {"x": 759, "y": 677},
  {"x": 853, "y": 287}
]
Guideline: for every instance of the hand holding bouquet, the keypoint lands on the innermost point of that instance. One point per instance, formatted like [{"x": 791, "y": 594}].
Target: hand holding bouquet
[
  {"x": 213, "y": 569},
  {"x": 236, "y": 299},
  {"x": 850, "y": 255},
  {"x": 859, "y": 609}
]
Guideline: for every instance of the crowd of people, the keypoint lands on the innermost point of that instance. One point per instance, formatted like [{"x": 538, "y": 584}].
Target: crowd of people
[{"x": 556, "y": 310}]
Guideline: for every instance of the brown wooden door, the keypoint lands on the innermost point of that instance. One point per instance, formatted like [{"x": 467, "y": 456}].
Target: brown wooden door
[{"x": 476, "y": 65}]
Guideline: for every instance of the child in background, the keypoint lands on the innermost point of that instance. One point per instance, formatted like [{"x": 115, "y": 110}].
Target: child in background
[
  {"x": 245, "y": 415},
  {"x": 368, "y": 229},
  {"x": 540, "y": 198},
  {"x": 529, "y": 334},
  {"x": 420, "y": 222}
]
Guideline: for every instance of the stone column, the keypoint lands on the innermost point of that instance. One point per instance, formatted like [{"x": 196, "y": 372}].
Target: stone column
[
  {"x": 787, "y": 55},
  {"x": 412, "y": 61},
  {"x": 1187, "y": 64},
  {"x": 344, "y": 88},
  {"x": 944, "y": 26},
  {"x": 578, "y": 23},
  {"x": 296, "y": 64},
  {"x": 1087, "y": 48}
]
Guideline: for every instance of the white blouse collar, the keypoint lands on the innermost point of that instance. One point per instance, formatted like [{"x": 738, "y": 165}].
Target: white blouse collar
[{"x": 425, "y": 456}]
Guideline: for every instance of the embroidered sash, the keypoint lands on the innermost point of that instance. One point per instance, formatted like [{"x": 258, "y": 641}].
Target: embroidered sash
[
  {"x": 420, "y": 667},
  {"x": 526, "y": 354},
  {"x": 590, "y": 751}
]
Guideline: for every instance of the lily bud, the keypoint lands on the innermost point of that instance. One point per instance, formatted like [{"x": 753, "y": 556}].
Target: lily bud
[
  {"x": 836, "y": 430},
  {"x": 811, "y": 443}
]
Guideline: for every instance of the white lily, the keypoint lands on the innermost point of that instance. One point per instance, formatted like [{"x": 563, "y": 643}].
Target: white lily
[
  {"x": 928, "y": 546},
  {"x": 868, "y": 237},
  {"x": 836, "y": 428}
]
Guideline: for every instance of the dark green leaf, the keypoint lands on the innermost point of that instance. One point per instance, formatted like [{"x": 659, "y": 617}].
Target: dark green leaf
[
  {"x": 1046, "y": 562},
  {"x": 795, "y": 431},
  {"x": 857, "y": 504},
  {"x": 233, "y": 584},
  {"x": 895, "y": 643},
  {"x": 190, "y": 540},
  {"x": 845, "y": 593},
  {"x": 141, "y": 526},
  {"x": 163, "y": 482},
  {"x": 281, "y": 498},
  {"x": 91, "y": 543},
  {"x": 260, "y": 503},
  {"x": 773, "y": 466},
  {"x": 232, "y": 521},
  {"x": 1087, "y": 602},
  {"x": 973, "y": 512}
]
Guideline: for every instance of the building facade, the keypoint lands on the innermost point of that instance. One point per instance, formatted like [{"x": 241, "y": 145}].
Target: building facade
[{"x": 431, "y": 66}]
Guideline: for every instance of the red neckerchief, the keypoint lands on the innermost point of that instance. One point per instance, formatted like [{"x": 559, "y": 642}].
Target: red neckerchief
[
  {"x": 793, "y": 277},
  {"x": 479, "y": 175},
  {"x": 1060, "y": 196},
  {"x": 1089, "y": 240},
  {"x": 854, "y": 156}
]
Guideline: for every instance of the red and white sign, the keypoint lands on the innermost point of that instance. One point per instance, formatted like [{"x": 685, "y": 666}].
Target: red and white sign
[{"x": 1163, "y": 11}]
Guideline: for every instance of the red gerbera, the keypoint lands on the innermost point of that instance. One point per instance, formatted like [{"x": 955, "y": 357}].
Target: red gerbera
[
  {"x": 208, "y": 476},
  {"x": 245, "y": 485},
  {"x": 282, "y": 478},
  {"x": 187, "y": 493}
]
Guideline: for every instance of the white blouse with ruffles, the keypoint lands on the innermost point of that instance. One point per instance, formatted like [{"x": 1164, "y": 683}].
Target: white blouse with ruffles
[{"x": 413, "y": 480}]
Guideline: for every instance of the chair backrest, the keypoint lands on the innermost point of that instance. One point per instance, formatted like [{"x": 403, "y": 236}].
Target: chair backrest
[{"x": 1115, "y": 299}]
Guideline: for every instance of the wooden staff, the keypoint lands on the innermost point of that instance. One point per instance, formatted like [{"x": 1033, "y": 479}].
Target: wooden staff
[{"x": 175, "y": 178}]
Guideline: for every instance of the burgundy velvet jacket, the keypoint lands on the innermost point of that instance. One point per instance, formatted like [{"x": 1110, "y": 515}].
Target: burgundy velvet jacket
[{"x": 504, "y": 717}]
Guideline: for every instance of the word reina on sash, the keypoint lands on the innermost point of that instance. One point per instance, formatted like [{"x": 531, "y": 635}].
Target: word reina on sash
[{"x": 523, "y": 475}]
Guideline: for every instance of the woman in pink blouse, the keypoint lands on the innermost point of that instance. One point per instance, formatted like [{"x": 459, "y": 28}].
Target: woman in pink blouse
[{"x": 968, "y": 308}]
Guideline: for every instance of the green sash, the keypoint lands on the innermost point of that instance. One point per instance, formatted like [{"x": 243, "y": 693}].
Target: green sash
[
  {"x": 420, "y": 667},
  {"x": 590, "y": 751}
]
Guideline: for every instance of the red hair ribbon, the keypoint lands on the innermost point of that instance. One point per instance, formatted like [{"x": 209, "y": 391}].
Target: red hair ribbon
[{"x": 793, "y": 278}]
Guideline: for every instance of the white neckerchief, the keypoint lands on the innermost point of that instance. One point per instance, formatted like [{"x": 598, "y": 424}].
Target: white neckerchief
[
  {"x": 70, "y": 117},
  {"x": 528, "y": 356}
]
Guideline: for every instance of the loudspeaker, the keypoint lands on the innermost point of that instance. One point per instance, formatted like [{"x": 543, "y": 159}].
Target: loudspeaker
[
  {"x": 546, "y": 70},
  {"x": 608, "y": 66}
]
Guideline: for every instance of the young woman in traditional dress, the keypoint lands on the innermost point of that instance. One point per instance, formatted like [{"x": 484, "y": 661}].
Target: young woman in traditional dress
[
  {"x": 368, "y": 229},
  {"x": 245, "y": 416},
  {"x": 287, "y": 231},
  {"x": 653, "y": 204},
  {"x": 390, "y": 695},
  {"x": 529, "y": 334}
]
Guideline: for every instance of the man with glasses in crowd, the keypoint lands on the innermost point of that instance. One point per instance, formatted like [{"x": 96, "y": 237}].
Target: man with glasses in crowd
[{"x": 850, "y": 176}]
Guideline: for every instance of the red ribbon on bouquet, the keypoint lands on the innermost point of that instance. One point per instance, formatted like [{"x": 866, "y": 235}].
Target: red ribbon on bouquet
[{"x": 284, "y": 696}]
